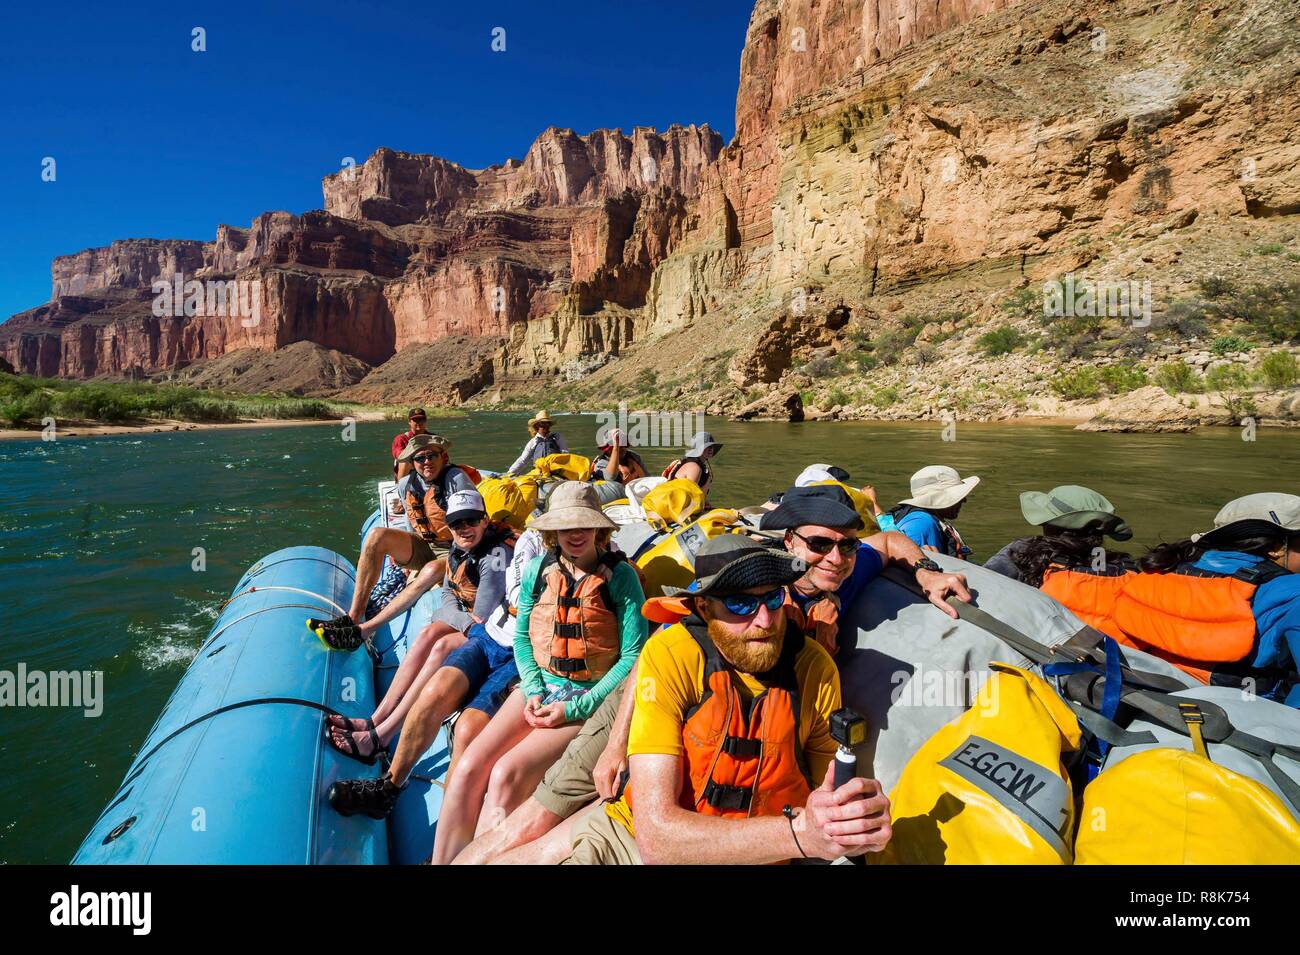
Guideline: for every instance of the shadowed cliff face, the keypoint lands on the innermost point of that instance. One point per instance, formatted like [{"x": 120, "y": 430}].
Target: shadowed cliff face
[{"x": 879, "y": 147}]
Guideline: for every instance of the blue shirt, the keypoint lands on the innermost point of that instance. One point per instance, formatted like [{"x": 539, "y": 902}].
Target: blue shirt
[
  {"x": 1276, "y": 607},
  {"x": 924, "y": 529},
  {"x": 866, "y": 568}
]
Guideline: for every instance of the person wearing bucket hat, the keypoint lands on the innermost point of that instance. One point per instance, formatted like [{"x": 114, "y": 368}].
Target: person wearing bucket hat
[
  {"x": 423, "y": 494},
  {"x": 938, "y": 493},
  {"x": 693, "y": 465},
  {"x": 462, "y": 660},
  {"x": 418, "y": 424},
  {"x": 578, "y": 631},
  {"x": 1073, "y": 521},
  {"x": 821, "y": 528},
  {"x": 692, "y": 789},
  {"x": 541, "y": 442},
  {"x": 1224, "y": 604}
]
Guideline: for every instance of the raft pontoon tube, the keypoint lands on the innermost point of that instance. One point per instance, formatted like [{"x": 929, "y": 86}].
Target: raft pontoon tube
[{"x": 236, "y": 769}]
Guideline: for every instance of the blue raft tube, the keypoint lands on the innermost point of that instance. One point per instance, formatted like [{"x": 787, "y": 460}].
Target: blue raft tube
[{"x": 236, "y": 769}]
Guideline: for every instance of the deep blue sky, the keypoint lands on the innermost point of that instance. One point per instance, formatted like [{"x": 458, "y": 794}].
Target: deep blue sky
[{"x": 154, "y": 140}]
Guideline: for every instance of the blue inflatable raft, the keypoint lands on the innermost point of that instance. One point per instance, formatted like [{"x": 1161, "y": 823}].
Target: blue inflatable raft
[{"x": 236, "y": 769}]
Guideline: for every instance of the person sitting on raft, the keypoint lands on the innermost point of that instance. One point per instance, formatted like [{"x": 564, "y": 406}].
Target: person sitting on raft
[
  {"x": 821, "y": 529},
  {"x": 578, "y": 632},
  {"x": 424, "y": 494},
  {"x": 820, "y": 474},
  {"x": 693, "y": 465},
  {"x": 1073, "y": 523},
  {"x": 474, "y": 591},
  {"x": 938, "y": 493},
  {"x": 542, "y": 442},
  {"x": 692, "y": 796},
  {"x": 1223, "y": 606},
  {"x": 417, "y": 420},
  {"x": 616, "y": 461}
]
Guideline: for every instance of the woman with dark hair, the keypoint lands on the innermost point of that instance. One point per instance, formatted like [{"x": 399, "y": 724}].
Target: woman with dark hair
[
  {"x": 1225, "y": 605},
  {"x": 1074, "y": 521}
]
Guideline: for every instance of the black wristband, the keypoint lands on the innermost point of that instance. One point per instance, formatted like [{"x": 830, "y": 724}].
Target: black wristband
[
  {"x": 925, "y": 563},
  {"x": 789, "y": 814}
]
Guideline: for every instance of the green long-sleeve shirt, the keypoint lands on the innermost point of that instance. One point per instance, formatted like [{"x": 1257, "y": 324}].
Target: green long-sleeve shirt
[{"x": 625, "y": 590}]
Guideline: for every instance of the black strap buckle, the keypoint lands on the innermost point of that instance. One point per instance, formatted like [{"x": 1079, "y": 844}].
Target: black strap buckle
[
  {"x": 568, "y": 664},
  {"x": 741, "y": 747},
  {"x": 569, "y": 631},
  {"x": 736, "y": 798}
]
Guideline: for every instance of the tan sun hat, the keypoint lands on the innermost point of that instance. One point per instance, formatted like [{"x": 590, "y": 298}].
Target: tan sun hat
[
  {"x": 938, "y": 486},
  {"x": 573, "y": 505},
  {"x": 538, "y": 418},
  {"x": 421, "y": 441}
]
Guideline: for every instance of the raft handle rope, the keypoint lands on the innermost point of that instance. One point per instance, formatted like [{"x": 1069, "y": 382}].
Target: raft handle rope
[
  {"x": 260, "y": 567},
  {"x": 294, "y": 590},
  {"x": 253, "y": 613}
]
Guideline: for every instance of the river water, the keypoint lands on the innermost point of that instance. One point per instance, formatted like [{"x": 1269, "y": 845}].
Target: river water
[{"x": 98, "y": 543}]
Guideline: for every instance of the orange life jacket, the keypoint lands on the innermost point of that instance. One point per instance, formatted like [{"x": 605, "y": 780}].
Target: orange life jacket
[
  {"x": 464, "y": 567},
  {"x": 1200, "y": 621},
  {"x": 819, "y": 621},
  {"x": 574, "y": 628},
  {"x": 745, "y": 758},
  {"x": 1090, "y": 594},
  {"x": 427, "y": 515}
]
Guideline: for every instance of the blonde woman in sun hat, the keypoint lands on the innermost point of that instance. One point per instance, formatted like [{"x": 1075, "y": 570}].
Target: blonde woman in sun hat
[
  {"x": 542, "y": 441},
  {"x": 578, "y": 632},
  {"x": 938, "y": 493}
]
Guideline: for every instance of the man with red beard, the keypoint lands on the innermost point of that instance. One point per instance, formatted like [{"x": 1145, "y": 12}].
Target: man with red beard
[{"x": 730, "y": 753}]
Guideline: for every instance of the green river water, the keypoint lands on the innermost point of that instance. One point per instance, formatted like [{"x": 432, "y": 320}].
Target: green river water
[{"x": 97, "y": 538}]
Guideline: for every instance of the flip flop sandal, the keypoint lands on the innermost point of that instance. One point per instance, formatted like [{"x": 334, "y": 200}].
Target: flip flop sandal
[
  {"x": 348, "y": 722},
  {"x": 348, "y": 747}
]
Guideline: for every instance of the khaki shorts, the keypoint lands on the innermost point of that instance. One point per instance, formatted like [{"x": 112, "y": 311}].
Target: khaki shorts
[
  {"x": 568, "y": 786},
  {"x": 422, "y": 552},
  {"x": 599, "y": 839}
]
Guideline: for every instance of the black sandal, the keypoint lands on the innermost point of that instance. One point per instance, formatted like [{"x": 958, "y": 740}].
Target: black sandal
[
  {"x": 372, "y": 797},
  {"x": 348, "y": 746},
  {"x": 337, "y": 634},
  {"x": 346, "y": 722}
]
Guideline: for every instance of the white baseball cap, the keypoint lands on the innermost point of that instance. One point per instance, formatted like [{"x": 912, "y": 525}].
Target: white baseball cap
[{"x": 465, "y": 504}]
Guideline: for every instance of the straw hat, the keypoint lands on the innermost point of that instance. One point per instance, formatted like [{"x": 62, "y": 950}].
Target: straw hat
[
  {"x": 937, "y": 487},
  {"x": 573, "y": 505},
  {"x": 539, "y": 418}
]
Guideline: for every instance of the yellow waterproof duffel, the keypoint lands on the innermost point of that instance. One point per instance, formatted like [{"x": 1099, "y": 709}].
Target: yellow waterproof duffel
[
  {"x": 992, "y": 785},
  {"x": 670, "y": 562}
]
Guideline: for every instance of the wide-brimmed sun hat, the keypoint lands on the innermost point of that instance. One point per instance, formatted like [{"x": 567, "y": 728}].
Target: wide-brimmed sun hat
[
  {"x": 938, "y": 486},
  {"x": 1255, "y": 513},
  {"x": 733, "y": 563},
  {"x": 825, "y": 505},
  {"x": 1073, "y": 506},
  {"x": 540, "y": 418},
  {"x": 573, "y": 505},
  {"x": 421, "y": 441},
  {"x": 701, "y": 442}
]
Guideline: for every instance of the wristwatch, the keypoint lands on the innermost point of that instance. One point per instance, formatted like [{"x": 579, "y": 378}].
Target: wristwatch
[{"x": 925, "y": 563}]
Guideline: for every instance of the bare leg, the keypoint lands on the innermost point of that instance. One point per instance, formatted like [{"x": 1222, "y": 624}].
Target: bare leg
[
  {"x": 440, "y": 698},
  {"x": 552, "y": 847},
  {"x": 465, "y": 791},
  {"x": 424, "y": 581},
  {"x": 381, "y": 542},
  {"x": 517, "y": 773},
  {"x": 433, "y": 663},
  {"x": 470, "y": 724},
  {"x": 419, "y": 652},
  {"x": 530, "y": 821}
]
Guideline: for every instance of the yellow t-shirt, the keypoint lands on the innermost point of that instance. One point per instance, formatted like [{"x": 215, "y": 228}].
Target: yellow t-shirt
[{"x": 671, "y": 680}]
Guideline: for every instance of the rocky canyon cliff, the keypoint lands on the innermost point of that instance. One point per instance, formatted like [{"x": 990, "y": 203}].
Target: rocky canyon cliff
[{"x": 891, "y": 158}]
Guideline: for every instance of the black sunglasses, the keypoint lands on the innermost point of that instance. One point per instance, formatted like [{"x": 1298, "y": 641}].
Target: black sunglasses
[
  {"x": 422, "y": 458},
  {"x": 464, "y": 522},
  {"x": 847, "y": 546}
]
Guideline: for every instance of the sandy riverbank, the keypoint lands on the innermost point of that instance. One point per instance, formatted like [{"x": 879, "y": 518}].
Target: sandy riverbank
[{"x": 91, "y": 429}]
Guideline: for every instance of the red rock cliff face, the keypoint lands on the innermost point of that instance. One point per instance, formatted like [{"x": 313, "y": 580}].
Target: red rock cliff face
[{"x": 409, "y": 249}]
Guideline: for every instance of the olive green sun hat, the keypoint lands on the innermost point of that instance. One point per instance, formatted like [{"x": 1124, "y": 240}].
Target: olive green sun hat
[{"x": 1073, "y": 506}]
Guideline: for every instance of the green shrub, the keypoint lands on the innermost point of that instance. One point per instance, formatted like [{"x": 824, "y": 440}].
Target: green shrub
[
  {"x": 1183, "y": 319},
  {"x": 1177, "y": 377},
  {"x": 1227, "y": 378},
  {"x": 1272, "y": 310},
  {"x": 1271, "y": 248},
  {"x": 1227, "y": 344},
  {"x": 1026, "y": 302},
  {"x": 1000, "y": 341},
  {"x": 19, "y": 409},
  {"x": 1121, "y": 379},
  {"x": 1279, "y": 369},
  {"x": 837, "y": 396},
  {"x": 1215, "y": 287},
  {"x": 885, "y": 397},
  {"x": 1079, "y": 384}
]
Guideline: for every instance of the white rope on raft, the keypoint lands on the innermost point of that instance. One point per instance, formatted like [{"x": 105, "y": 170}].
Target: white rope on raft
[{"x": 294, "y": 590}]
